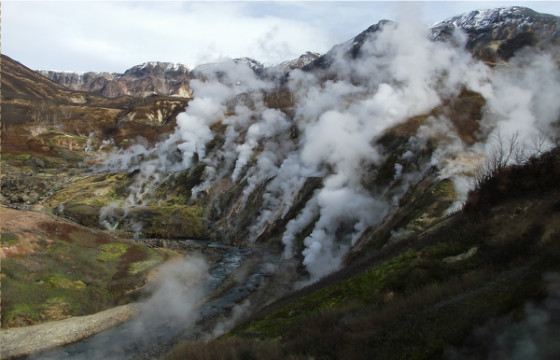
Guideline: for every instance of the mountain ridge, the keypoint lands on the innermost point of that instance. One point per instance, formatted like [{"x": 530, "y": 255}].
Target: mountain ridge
[
  {"x": 149, "y": 78},
  {"x": 493, "y": 35}
]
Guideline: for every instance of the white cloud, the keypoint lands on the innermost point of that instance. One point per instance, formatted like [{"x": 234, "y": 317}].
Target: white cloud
[{"x": 112, "y": 36}]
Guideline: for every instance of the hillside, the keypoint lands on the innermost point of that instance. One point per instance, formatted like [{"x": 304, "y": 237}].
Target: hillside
[
  {"x": 459, "y": 290},
  {"x": 395, "y": 197},
  {"x": 53, "y": 269},
  {"x": 47, "y": 130}
]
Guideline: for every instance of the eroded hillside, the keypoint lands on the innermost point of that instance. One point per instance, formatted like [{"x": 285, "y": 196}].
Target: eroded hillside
[{"x": 471, "y": 287}]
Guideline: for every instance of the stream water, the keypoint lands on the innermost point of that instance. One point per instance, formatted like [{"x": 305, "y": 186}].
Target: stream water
[{"x": 141, "y": 339}]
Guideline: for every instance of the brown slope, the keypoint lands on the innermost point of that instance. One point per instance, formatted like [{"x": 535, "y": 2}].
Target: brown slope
[
  {"x": 141, "y": 80},
  {"x": 20, "y": 81},
  {"x": 31, "y": 99},
  {"x": 45, "y": 129}
]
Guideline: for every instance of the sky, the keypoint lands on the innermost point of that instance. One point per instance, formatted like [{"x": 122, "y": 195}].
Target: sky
[{"x": 113, "y": 36}]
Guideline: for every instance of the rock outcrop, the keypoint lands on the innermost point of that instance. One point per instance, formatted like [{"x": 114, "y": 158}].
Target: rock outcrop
[
  {"x": 147, "y": 79},
  {"x": 497, "y": 34}
]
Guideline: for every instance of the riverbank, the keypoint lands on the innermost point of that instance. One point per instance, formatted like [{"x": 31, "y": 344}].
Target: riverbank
[{"x": 23, "y": 341}]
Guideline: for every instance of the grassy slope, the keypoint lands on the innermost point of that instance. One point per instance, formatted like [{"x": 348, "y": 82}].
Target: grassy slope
[
  {"x": 417, "y": 298},
  {"x": 82, "y": 199},
  {"x": 53, "y": 269}
]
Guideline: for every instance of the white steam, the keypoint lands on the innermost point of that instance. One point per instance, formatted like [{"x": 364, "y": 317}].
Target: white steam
[{"x": 338, "y": 115}]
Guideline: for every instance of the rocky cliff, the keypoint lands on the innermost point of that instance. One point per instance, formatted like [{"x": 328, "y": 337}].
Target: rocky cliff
[
  {"x": 497, "y": 34},
  {"x": 147, "y": 79}
]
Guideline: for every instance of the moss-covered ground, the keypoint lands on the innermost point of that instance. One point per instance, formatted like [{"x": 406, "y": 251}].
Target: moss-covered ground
[
  {"x": 169, "y": 217},
  {"x": 412, "y": 304},
  {"x": 53, "y": 269}
]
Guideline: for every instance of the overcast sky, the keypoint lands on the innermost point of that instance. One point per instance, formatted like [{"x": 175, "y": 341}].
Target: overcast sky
[{"x": 113, "y": 36}]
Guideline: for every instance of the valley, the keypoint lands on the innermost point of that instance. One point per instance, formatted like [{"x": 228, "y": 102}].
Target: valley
[{"x": 395, "y": 197}]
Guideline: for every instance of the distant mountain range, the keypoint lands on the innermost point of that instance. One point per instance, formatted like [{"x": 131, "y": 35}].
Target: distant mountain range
[
  {"x": 141, "y": 80},
  {"x": 492, "y": 35},
  {"x": 156, "y": 78}
]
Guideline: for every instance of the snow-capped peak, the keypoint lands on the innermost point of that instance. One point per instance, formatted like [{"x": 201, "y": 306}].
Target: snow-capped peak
[
  {"x": 164, "y": 66},
  {"x": 488, "y": 19}
]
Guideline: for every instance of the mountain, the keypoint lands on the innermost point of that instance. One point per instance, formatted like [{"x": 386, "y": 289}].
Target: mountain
[
  {"x": 146, "y": 79},
  {"x": 491, "y": 35},
  {"x": 395, "y": 197},
  {"x": 350, "y": 48},
  {"x": 424, "y": 279},
  {"x": 298, "y": 63},
  {"x": 50, "y": 125},
  {"x": 217, "y": 69},
  {"x": 497, "y": 34},
  {"x": 253, "y": 64}
]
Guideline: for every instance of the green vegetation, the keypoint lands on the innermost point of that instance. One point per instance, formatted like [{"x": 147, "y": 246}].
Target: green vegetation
[
  {"x": 232, "y": 349},
  {"x": 27, "y": 160},
  {"x": 64, "y": 282},
  {"x": 176, "y": 190},
  {"x": 93, "y": 191},
  {"x": 16, "y": 158},
  {"x": 170, "y": 221},
  {"x": 77, "y": 273},
  {"x": 362, "y": 289},
  {"x": 140, "y": 266},
  {"x": 112, "y": 251},
  {"x": 412, "y": 305},
  {"x": 82, "y": 200},
  {"x": 8, "y": 239}
]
